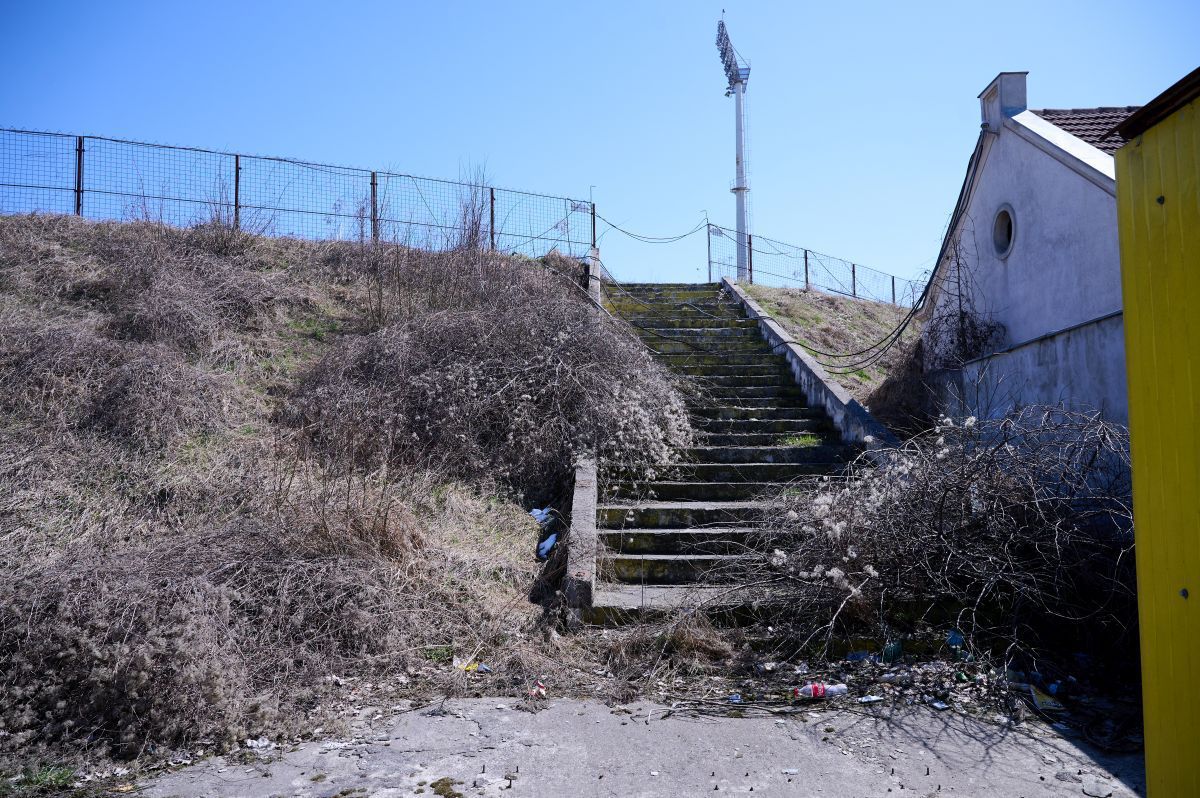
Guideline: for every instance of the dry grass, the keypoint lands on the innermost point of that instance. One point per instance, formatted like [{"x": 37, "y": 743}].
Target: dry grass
[{"x": 240, "y": 474}]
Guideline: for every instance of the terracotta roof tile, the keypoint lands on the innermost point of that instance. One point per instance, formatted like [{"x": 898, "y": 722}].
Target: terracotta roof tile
[{"x": 1090, "y": 124}]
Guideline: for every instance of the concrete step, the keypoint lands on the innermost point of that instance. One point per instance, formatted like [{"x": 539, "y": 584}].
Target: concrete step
[
  {"x": 738, "y": 382},
  {"x": 715, "y": 333},
  {"x": 768, "y": 412},
  {"x": 621, "y": 305},
  {"x": 753, "y": 471},
  {"x": 679, "y": 291},
  {"x": 702, "y": 373},
  {"x": 673, "y": 514},
  {"x": 691, "y": 491},
  {"x": 716, "y": 540},
  {"x": 768, "y": 392},
  {"x": 615, "y": 603},
  {"x": 780, "y": 426},
  {"x": 766, "y": 439},
  {"x": 689, "y": 321},
  {"x": 723, "y": 348},
  {"x": 669, "y": 569},
  {"x": 674, "y": 360},
  {"x": 708, "y": 401},
  {"x": 821, "y": 453}
]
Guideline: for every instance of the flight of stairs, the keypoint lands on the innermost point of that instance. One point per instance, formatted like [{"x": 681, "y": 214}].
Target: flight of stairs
[{"x": 681, "y": 540}]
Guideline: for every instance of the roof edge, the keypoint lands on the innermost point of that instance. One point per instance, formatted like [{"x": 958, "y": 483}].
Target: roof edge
[
  {"x": 1065, "y": 147},
  {"x": 1178, "y": 95}
]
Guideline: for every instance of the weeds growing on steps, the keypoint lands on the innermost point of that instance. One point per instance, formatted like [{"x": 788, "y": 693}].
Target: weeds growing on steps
[{"x": 244, "y": 479}]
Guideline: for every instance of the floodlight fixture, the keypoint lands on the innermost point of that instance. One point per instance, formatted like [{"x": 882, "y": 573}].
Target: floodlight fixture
[{"x": 734, "y": 71}]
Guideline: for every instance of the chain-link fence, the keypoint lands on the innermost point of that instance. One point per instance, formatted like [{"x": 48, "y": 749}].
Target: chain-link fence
[
  {"x": 103, "y": 178},
  {"x": 783, "y": 265}
]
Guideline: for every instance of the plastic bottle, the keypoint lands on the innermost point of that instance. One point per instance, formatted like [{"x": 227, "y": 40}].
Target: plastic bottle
[{"x": 820, "y": 690}]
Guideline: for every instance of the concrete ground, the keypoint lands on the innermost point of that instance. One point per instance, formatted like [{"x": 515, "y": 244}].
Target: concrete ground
[{"x": 583, "y": 749}]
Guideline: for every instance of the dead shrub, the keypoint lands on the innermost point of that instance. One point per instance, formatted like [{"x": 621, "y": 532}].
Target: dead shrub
[
  {"x": 1017, "y": 531},
  {"x": 212, "y": 634},
  {"x": 143, "y": 396},
  {"x": 686, "y": 644},
  {"x": 512, "y": 378}
]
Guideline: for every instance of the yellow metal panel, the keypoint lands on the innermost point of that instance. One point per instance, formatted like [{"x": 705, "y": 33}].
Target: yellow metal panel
[{"x": 1158, "y": 207}]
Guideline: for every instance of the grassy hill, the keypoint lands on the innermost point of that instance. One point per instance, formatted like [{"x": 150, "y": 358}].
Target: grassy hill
[{"x": 246, "y": 480}]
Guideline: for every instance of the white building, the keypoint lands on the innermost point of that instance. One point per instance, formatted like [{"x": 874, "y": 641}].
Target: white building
[{"x": 1031, "y": 261}]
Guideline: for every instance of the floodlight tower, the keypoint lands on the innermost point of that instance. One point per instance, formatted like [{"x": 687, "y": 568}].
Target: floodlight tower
[{"x": 738, "y": 75}]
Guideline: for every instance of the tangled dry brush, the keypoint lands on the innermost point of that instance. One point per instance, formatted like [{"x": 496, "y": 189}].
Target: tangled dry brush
[
  {"x": 1016, "y": 531},
  {"x": 237, "y": 471}
]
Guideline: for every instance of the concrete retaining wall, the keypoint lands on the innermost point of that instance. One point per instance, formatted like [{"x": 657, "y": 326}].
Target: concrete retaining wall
[
  {"x": 582, "y": 540},
  {"x": 1081, "y": 367}
]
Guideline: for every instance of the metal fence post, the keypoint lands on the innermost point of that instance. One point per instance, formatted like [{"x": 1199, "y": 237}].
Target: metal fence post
[
  {"x": 79, "y": 175},
  {"x": 593, "y": 225},
  {"x": 853, "y": 282},
  {"x": 893, "y": 289},
  {"x": 492, "y": 217},
  {"x": 708, "y": 238},
  {"x": 750, "y": 258},
  {"x": 375, "y": 207},
  {"x": 237, "y": 192},
  {"x": 807, "y": 285}
]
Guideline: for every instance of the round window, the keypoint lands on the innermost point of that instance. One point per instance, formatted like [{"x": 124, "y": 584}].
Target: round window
[{"x": 1002, "y": 231}]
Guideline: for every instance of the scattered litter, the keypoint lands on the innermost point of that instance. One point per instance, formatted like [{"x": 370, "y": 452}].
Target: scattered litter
[
  {"x": 1096, "y": 788},
  {"x": 543, "y": 516},
  {"x": 654, "y": 773},
  {"x": 538, "y": 690},
  {"x": 1044, "y": 702},
  {"x": 735, "y": 698},
  {"x": 820, "y": 690},
  {"x": 543, "y": 549},
  {"x": 790, "y": 772},
  {"x": 857, "y": 656},
  {"x": 800, "y": 669},
  {"x": 870, "y": 699},
  {"x": 893, "y": 651},
  {"x": 955, "y": 639},
  {"x": 940, "y": 706},
  {"x": 471, "y": 666}
]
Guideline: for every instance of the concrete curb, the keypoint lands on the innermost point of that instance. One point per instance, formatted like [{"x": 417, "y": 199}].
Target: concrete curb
[
  {"x": 583, "y": 539},
  {"x": 852, "y": 420}
]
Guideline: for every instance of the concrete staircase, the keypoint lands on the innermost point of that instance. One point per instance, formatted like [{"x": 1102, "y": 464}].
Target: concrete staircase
[{"x": 676, "y": 541}]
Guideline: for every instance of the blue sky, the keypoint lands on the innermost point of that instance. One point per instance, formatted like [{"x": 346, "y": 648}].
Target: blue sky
[{"x": 861, "y": 116}]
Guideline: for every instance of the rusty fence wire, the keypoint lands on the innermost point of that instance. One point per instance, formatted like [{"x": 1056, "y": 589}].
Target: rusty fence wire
[
  {"x": 104, "y": 178},
  {"x": 775, "y": 263}
]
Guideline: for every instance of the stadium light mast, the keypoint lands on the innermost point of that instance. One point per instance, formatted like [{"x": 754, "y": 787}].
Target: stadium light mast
[{"x": 738, "y": 76}]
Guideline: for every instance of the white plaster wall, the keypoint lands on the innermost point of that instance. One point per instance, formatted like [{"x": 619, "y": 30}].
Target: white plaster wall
[
  {"x": 1063, "y": 271},
  {"x": 1064, "y": 267},
  {"x": 1083, "y": 369}
]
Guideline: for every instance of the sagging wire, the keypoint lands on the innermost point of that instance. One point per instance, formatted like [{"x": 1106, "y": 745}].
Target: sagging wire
[{"x": 654, "y": 239}]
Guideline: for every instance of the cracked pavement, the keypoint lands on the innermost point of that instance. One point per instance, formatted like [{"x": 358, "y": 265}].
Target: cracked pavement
[{"x": 576, "y": 748}]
